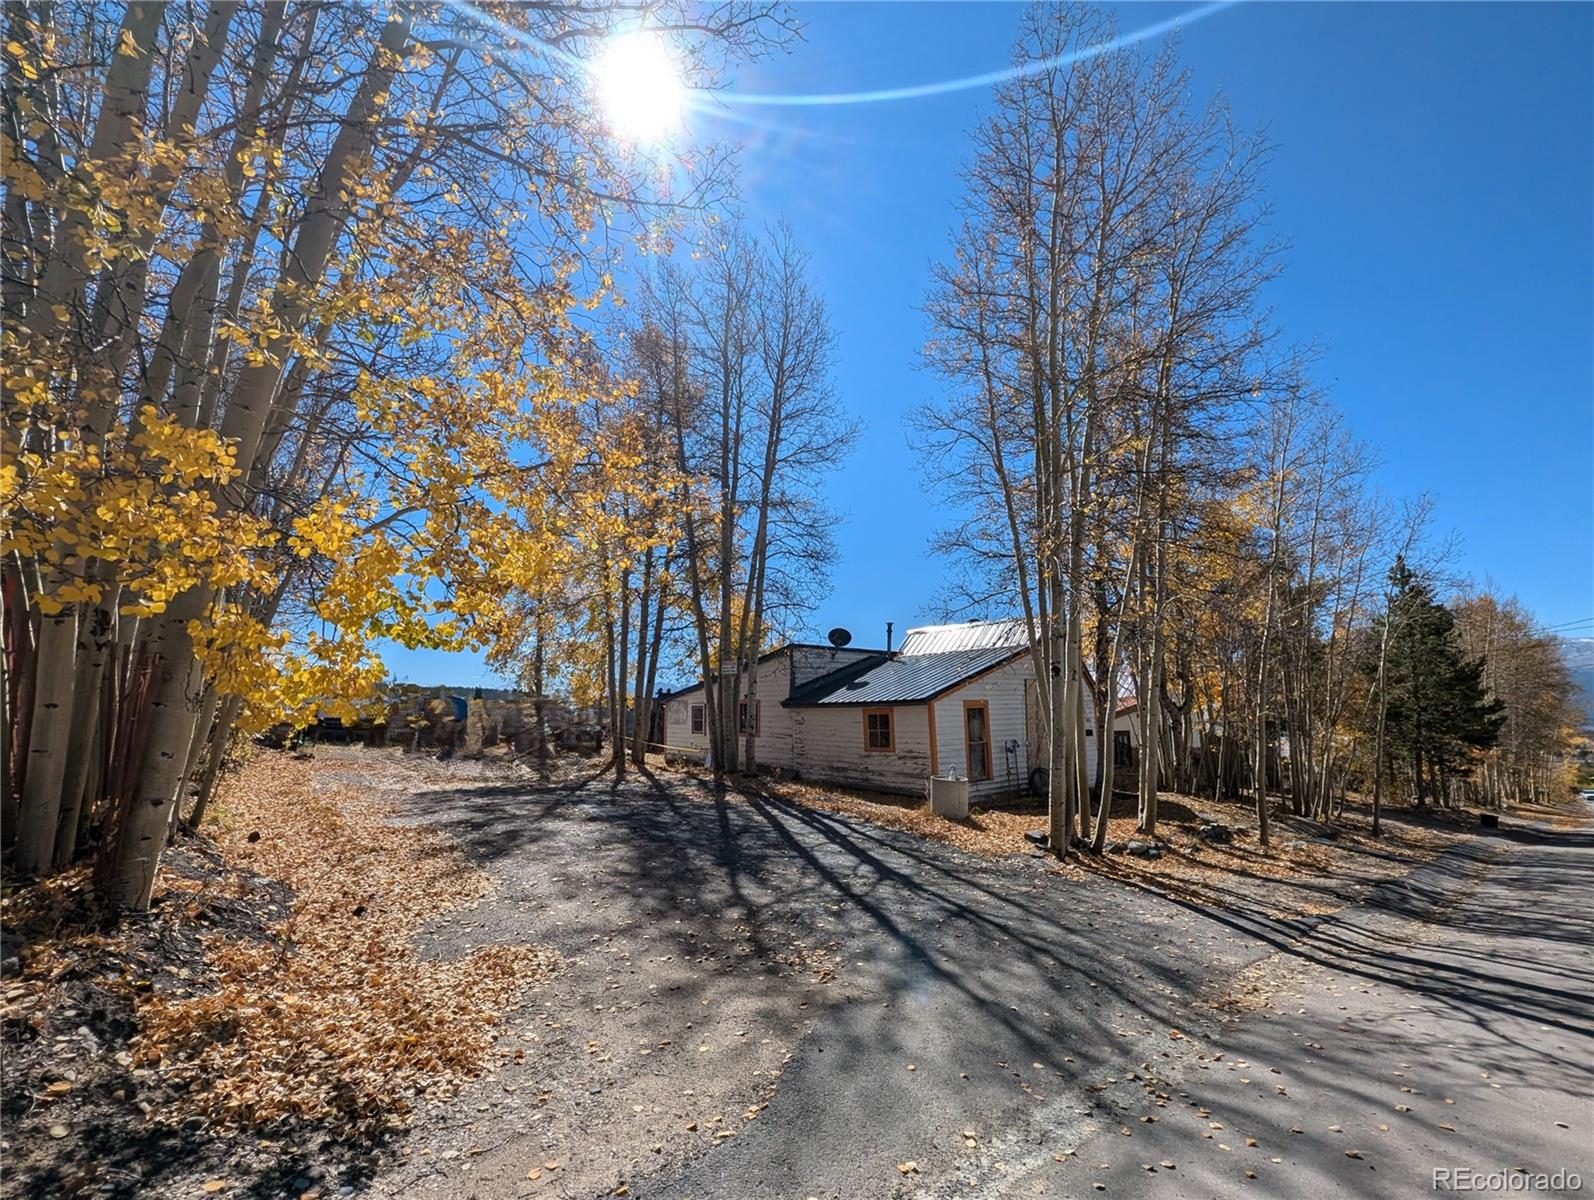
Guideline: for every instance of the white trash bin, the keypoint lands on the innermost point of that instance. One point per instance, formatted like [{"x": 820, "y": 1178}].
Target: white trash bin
[{"x": 949, "y": 797}]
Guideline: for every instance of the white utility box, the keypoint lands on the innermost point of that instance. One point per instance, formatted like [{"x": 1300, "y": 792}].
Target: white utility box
[{"x": 949, "y": 797}]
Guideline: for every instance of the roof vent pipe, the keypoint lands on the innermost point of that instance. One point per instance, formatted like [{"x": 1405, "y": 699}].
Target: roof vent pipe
[{"x": 888, "y": 637}]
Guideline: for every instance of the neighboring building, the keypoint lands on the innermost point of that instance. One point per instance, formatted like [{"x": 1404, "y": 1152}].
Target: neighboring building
[
  {"x": 1126, "y": 736},
  {"x": 955, "y": 700},
  {"x": 685, "y": 717}
]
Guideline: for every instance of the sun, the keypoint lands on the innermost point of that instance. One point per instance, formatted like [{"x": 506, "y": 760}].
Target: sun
[{"x": 639, "y": 85}]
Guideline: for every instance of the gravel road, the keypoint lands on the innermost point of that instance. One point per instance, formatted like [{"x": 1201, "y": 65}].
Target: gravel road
[{"x": 765, "y": 1000}]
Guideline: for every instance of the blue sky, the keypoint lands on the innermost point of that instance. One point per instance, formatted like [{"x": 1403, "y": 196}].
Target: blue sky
[{"x": 1433, "y": 173}]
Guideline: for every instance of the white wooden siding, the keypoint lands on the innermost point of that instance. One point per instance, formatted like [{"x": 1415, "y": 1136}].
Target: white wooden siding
[
  {"x": 810, "y": 662},
  {"x": 1003, "y": 692},
  {"x": 773, "y": 742},
  {"x": 828, "y": 747},
  {"x": 825, "y": 743}
]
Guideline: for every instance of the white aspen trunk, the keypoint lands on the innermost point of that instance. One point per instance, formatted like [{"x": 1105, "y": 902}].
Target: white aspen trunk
[
  {"x": 1219, "y": 784},
  {"x": 131, "y": 877},
  {"x": 1147, "y": 774},
  {"x": 700, "y": 623},
  {"x": 48, "y": 740},
  {"x": 173, "y": 712},
  {"x": 1081, "y": 748},
  {"x": 750, "y": 733},
  {"x": 730, "y": 462},
  {"x": 83, "y": 748},
  {"x": 1104, "y": 753},
  {"x": 644, "y": 698},
  {"x": 230, "y": 710},
  {"x": 1152, "y": 734},
  {"x": 1268, "y": 616},
  {"x": 1261, "y": 725},
  {"x": 750, "y": 746},
  {"x": 123, "y": 97},
  {"x": 649, "y": 687},
  {"x": 1058, "y": 816},
  {"x": 199, "y": 278},
  {"x": 1146, "y": 780},
  {"x": 1065, "y": 735},
  {"x": 622, "y": 668},
  {"x": 1107, "y": 711},
  {"x": 120, "y": 303}
]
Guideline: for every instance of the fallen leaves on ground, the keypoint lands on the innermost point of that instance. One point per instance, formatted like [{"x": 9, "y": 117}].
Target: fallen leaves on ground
[
  {"x": 334, "y": 1017},
  {"x": 1570, "y": 813},
  {"x": 988, "y": 833},
  {"x": 1307, "y": 869},
  {"x": 1289, "y": 878}
]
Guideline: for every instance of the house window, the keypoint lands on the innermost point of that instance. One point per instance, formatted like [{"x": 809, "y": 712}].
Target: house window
[
  {"x": 977, "y": 738},
  {"x": 758, "y": 717},
  {"x": 697, "y": 718},
  {"x": 1123, "y": 749},
  {"x": 878, "y": 731}
]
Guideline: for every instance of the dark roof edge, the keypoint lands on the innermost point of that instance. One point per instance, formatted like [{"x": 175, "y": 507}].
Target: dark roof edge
[
  {"x": 863, "y": 667},
  {"x": 822, "y": 684},
  {"x": 769, "y": 654}
]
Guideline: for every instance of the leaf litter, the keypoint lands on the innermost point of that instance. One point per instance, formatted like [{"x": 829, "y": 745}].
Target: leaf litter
[
  {"x": 336, "y": 1018},
  {"x": 271, "y": 997}
]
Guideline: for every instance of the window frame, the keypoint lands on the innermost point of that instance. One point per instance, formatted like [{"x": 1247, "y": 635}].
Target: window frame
[
  {"x": 968, "y": 767},
  {"x": 890, "y": 714},
  {"x": 758, "y": 716},
  {"x": 697, "y": 718}
]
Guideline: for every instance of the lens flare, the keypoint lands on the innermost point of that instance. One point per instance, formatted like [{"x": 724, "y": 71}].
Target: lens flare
[{"x": 639, "y": 85}]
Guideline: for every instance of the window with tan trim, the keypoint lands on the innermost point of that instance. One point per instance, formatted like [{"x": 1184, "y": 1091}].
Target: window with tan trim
[
  {"x": 879, "y": 730},
  {"x": 977, "y": 738}
]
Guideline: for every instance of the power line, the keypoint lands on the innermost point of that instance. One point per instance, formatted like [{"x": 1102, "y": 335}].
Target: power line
[{"x": 1579, "y": 623}]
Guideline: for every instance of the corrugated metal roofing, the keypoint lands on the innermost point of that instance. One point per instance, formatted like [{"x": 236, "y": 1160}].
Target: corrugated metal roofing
[
  {"x": 965, "y": 635},
  {"x": 905, "y": 679}
]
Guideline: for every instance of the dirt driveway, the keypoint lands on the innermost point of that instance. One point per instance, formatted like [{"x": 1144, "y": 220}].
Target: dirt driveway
[{"x": 763, "y": 999}]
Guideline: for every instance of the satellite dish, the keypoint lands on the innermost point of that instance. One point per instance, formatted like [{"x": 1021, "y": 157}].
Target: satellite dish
[{"x": 838, "y": 637}]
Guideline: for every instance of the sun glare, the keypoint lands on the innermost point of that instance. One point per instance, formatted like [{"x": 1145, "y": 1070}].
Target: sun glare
[{"x": 640, "y": 87}]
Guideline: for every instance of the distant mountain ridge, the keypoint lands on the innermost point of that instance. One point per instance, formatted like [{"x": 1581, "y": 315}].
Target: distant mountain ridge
[{"x": 1579, "y": 655}]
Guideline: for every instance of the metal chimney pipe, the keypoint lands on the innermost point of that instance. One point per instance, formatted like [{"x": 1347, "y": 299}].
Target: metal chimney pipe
[{"x": 888, "y": 637}]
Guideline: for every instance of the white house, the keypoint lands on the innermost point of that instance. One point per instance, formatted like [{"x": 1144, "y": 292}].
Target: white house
[
  {"x": 955, "y": 700},
  {"x": 1126, "y": 734}
]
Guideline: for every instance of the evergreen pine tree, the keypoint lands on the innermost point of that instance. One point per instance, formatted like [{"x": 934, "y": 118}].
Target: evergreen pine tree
[{"x": 1440, "y": 713}]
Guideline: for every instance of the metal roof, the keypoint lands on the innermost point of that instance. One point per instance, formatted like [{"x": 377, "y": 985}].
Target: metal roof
[
  {"x": 966, "y": 635},
  {"x": 902, "y": 679},
  {"x": 784, "y": 648}
]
